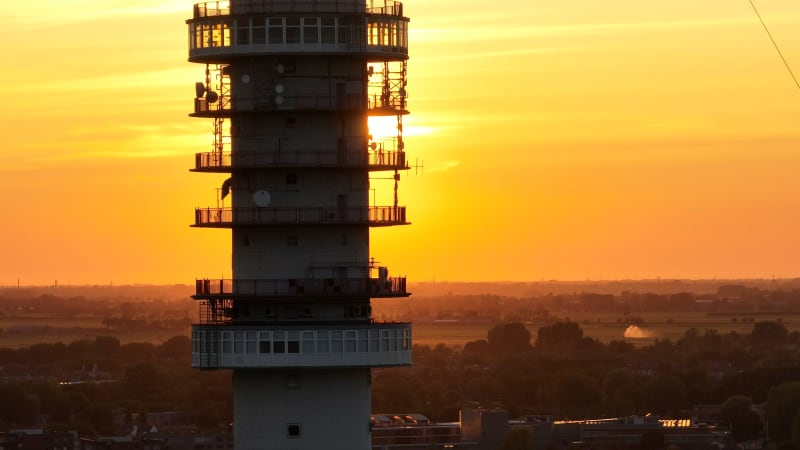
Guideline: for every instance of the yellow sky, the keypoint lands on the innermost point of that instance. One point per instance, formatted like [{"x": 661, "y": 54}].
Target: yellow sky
[{"x": 568, "y": 140}]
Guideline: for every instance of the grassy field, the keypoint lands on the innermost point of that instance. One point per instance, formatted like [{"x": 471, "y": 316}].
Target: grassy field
[
  {"x": 21, "y": 332},
  {"x": 607, "y": 328},
  {"x": 25, "y": 331}
]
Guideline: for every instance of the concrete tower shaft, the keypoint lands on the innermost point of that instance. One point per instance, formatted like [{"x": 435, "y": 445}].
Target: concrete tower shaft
[{"x": 290, "y": 86}]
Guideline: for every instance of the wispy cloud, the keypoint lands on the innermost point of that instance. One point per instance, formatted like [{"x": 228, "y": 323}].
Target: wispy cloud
[
  {"x": 509, "y": 33},
  {"x": 445, "y": 166},
  {"x": 63, "y": 11}
]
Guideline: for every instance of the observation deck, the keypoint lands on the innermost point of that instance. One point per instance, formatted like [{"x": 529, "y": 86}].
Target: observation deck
[
  {"x": 295, "y": 346},
  {"x": 295, "y": 27},
  {"x": 228, "y": 162},
  {"x": 334, "y": 288},
  {"x": 374, "y": 216}
]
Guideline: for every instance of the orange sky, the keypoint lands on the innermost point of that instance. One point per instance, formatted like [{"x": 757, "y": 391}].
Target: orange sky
[{"x": 567, "y": 140}]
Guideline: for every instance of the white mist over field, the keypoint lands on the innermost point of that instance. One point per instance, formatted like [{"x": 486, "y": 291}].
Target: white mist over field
[{"x": 634, "y": 332}]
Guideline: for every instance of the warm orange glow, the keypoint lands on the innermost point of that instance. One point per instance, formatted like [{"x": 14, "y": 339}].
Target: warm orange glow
[{"x": 564, "y": 140}]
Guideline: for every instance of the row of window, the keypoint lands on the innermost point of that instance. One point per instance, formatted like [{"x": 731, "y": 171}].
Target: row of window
[
  {"x": 309, "y": 341},
  {"x": 294, "y": 30}
]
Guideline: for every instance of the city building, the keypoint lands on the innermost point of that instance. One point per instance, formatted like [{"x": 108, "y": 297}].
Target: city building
[
  {"x": 416, "y": 432},
  {"x": 290, "y": 87}
]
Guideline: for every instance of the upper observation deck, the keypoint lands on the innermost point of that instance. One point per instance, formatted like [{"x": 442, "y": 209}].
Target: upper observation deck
[{"x": 222, "y": 29}]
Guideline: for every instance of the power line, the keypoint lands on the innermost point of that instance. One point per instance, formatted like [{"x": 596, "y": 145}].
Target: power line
[{"x": 775, "y": 44}]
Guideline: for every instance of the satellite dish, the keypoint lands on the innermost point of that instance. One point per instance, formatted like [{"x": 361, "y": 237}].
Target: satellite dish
[
  {"x": 245, "y": 78},
  {"x": 212, "y": 96},
  {"x": 262, "y": 198},
  {"x": 278, "y": 99},
  {"x": 279, "y": 89},
  {"x": 373, "y": 145},
  {"x": 199, "y": 89},
  {"x": 280, "y": 68}
]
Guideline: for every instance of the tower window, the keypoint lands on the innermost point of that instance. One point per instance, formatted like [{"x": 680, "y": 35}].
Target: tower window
[{"x": 293, "y": 430}]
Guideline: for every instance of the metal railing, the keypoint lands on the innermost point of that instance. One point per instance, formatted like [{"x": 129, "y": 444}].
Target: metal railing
[
  {"x": 223, "y": 8},
  {"x": 219, "y": 30},
  {"x": 372, "y": 287},
  {"x": 372, "y": 216},
  {"x": 311, "y": 102},
  {"x": 378, "y": 160}
]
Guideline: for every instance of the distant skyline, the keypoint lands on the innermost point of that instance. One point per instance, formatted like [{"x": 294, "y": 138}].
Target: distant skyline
[{"x": 563, "y": 140}]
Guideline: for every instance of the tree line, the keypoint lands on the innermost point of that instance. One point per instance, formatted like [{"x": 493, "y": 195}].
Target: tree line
[{"x": 101, "y": 386}]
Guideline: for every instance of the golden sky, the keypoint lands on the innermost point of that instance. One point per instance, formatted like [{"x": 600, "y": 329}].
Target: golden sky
[{"x": 559, "y": 140}]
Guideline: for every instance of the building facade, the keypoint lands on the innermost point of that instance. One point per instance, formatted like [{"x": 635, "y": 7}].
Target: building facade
[{"x": 290, "y": 86}]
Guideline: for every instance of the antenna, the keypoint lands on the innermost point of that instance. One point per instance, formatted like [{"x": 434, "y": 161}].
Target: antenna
[
  {"x": 775, "y": 44},
  {"x": 418, "y": 167}
]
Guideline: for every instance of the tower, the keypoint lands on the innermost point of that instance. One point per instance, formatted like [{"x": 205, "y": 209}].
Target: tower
[{"x": 290, "y": 86}]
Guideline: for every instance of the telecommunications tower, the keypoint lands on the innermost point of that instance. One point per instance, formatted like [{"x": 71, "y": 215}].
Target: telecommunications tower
[{"x": 290, "y": 86}]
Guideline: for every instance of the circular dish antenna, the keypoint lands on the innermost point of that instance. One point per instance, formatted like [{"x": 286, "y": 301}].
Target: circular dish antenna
[
  {"x": 246, "y": 79},
  {"x": 278, "y": 99},
  {"x": 279, "y": 68},
  {"x": 279, "y": 89},
  {"x": 262, "y": 198}
]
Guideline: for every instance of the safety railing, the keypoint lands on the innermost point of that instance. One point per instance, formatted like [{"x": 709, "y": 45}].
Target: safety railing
[
  {"x": 223, "y": 7},
  {"x": 317, "y": 287},
  {"x": 374, "y": 160},
  {"x": 251, "y": 216}
]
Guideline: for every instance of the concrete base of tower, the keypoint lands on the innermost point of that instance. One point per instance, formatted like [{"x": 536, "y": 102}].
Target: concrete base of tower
[{"x": 317, "y": 409}]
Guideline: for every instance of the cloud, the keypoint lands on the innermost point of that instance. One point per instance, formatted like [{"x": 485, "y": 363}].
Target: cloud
[
  {"x": 59, "y": 12},
  {"x": 445, "y": 166}
]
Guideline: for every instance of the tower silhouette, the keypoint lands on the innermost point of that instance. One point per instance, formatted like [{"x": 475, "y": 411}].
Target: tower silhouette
[{"x": 290, "y": 86}]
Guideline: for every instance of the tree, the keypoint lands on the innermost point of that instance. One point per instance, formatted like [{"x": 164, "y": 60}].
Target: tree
[
  {"x": 783, "y": 403},
  {"x": 664, "y": 394},
  {"x": 177, "y": 347},
  {"x": 141, "y": 379},
  {"x": 768, "y": 333},
  {"x": 107, "y": 346},
  {"x": 577, "y": 394},
  {"x": 518, "y": 438},
  {"x": 559, "y": 336},
  {"x": 17, "y": 406},
  {"x": 742, "y": 421},
  {"x": 509, "y": 337}
]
